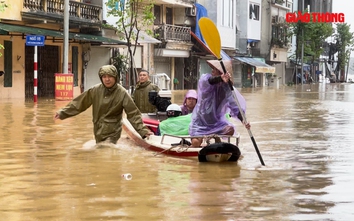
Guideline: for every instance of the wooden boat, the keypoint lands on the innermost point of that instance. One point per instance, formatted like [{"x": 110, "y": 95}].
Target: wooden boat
[{"x": 214, "y": 149}]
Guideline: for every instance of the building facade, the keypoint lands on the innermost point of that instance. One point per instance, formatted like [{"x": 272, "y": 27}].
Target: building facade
[
  {"x": 46, "y": 18},
  {"x": 253, "y": 35}
]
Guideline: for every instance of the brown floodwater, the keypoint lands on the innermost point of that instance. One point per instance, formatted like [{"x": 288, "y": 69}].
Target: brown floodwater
[{"x": 50, "y": 170}]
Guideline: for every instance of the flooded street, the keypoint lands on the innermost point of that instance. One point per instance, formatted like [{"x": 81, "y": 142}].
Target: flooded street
[{"x": 49, "y": 170}]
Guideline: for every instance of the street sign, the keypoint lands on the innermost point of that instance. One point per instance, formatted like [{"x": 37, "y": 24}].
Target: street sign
[{"x": 35, "y": 40}]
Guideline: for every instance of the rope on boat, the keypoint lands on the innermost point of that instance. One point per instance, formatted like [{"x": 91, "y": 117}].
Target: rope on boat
[
  {"x": 180, "y": 149},
  {"x": 155, "y": 154},
  {"x": 184, "y": 147}
]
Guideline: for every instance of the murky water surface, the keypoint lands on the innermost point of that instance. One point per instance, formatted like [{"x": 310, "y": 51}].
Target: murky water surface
[{"x": 49, "y": 171}]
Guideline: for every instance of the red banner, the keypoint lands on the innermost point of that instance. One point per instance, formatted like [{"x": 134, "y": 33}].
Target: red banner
[{"x": 64, "y": 87}]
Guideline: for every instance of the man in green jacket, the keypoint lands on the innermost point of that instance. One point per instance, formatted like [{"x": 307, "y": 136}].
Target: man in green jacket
[
  {"x": 108, "y": 101},
  {"x": 141, "y": 93}
]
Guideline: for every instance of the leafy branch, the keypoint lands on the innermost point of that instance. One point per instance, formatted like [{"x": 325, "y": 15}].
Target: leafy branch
[
  {"x": 132, "y": 17},
  {"x": 3, "y": 5}
]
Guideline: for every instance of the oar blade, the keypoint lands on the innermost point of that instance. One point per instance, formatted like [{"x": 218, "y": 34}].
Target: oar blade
[{"x": 211, "y": 35}]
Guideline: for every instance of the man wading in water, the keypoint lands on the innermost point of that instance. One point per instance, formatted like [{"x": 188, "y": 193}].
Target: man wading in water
[{"x": 108, "y": 101}]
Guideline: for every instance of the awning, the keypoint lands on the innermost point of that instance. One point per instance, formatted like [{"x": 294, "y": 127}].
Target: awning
[
  {"x": 57, "y": 34},
  {"x": 174, "y": 3},
  {"x": 306, "y": 67},
  {"x": 161, "y": 52},
  {"x": 94, "y": 38},
  {"x": 144, "y": 38},
  {"x": 260, "y": 66}
]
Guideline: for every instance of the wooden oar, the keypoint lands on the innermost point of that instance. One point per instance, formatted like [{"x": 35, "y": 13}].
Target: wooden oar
[{"x": 211, "y": 36}]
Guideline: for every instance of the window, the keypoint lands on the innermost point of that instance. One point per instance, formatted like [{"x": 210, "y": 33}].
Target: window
[
  {"x": 279, "y": 35},
  {"x": 254, "y": 12},
  {"x": 75, "y": 64},
  {"x": 274, "y": 31},
  {"x": 157, "y": 14},
  {"x": 169, "y": 16},
  {"x": 227, "y": 13},
  {"x": 289, "y": 5},
  {"x": 275, "y": 19},
  {"x": 8, "y": 63}
]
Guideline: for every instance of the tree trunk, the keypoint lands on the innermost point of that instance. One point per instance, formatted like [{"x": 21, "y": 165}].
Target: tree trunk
[{"x": 132, "y": 77}]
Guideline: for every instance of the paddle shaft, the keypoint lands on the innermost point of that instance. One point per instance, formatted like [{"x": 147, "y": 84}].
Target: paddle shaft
[
  {"x": 243, "y": 115},
  {"x": 211, "y": 36}
]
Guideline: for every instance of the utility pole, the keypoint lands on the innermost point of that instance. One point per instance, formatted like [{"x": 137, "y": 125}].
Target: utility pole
[
  {"x": 302, "y": 57},
  {"x": 66, "y": 37},
  {"x": 302, "y": 47}
]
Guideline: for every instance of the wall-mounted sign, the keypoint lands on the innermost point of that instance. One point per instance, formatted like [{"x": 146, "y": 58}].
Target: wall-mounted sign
[
  {"x": 35, "y": 40},
  {"x": 64, "y": 86}
]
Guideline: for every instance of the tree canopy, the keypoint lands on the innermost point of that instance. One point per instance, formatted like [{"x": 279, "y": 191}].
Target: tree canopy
[
  {"x": 132, "y": 17},
  {"x": 2, "y": 8},
  {"x": 344, "y": 43},
  {"x": 312, "y": 35}
]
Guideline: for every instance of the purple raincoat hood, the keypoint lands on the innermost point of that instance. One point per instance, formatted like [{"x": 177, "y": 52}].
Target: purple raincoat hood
[{"x": 192, "y": 94}]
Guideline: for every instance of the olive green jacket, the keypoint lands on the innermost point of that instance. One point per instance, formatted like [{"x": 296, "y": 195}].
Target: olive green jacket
[
  {"x": 141, "y": 96},
  {"x": 107, "y": 109}
]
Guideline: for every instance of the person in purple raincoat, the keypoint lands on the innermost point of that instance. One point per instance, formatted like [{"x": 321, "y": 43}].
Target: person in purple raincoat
[
  {"x": 190, "y": 100},
  {"x": 215, "y": 100}
]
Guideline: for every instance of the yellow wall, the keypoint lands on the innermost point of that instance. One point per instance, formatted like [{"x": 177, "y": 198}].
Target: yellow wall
[
  {"x": 13, "y": 10},
  {"x": 18, "y": 81},
  {"x": 177, "y": 96},
  {"x": 18, "y": 86}
]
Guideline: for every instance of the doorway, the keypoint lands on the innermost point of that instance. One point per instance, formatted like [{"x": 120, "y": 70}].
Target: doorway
[{"x": 48, "y": 65}]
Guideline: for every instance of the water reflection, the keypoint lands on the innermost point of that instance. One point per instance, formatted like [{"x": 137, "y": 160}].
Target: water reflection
[{"x": 49, "y": 170}]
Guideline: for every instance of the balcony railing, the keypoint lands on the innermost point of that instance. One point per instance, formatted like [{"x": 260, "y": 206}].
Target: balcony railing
[
  {"x": 189, "y": 1},
  {"x": 56, "y": 7},
  {"x": 173, "y": 33}
]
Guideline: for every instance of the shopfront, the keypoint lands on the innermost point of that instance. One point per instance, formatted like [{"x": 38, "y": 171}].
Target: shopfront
[{"x": 254, "y": 71}]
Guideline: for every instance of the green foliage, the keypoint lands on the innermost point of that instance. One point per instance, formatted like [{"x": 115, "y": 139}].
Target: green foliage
[
  {"x": 121, "y": 63},
  {"x": 132, "y": 17},
  {"x": 2, "y": 8},
  {"x": 290, "y": 83},
  {"x": 282, "y": 43},
  {"x": 313, "y": 35},
  {"x": 344, "y": 43},
  {"x": 280, "y": 37},
  {"x": 1, "y": 48}
]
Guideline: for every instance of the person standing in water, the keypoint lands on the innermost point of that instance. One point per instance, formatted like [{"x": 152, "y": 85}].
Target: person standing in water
[
  {"x": 141, "y": 93},
  {"x": 108, "y": 100}
]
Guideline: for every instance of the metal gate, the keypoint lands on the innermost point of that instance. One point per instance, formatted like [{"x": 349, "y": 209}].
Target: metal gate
[{"x": 48, "y": 65}]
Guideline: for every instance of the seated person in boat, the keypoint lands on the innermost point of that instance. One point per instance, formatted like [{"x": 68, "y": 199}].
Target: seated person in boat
[
  {"x": 176, "y": 123},
  {"x": 215, "y": 99},
  {"x": 190, "y": 100},
  {"x": 108, "y": 100}
]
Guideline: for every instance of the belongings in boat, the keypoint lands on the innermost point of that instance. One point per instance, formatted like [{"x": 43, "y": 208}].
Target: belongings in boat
[
  {"x": 182, "y": 142},
  {"x": 161, "y": 100}
]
